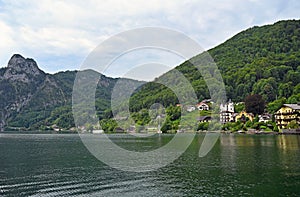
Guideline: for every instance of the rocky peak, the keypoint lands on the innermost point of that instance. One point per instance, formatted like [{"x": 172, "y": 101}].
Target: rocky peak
[
  {"x": 21, "y": 69},
  {"x": 20, "y": 64}
]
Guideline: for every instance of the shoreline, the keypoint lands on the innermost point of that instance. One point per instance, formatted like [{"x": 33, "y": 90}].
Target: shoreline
[{"x": 187, "y": 132}]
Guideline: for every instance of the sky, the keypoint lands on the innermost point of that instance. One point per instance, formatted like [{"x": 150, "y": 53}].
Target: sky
[{"x": 60, "y": 35}]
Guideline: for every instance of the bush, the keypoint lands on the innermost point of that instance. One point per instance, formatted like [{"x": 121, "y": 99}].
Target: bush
[
  {"x": 293, "y": 125},
  {"x": 263, "y": 127},
  {"x": 203, "y": 126}
]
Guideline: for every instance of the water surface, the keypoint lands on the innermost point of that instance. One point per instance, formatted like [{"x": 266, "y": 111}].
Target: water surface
[{"x": 238, "y": 165}]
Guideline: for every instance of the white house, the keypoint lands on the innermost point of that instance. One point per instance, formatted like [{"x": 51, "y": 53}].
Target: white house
[
  {"x": 190, "y": 108},
  {"x": 265, "y": 118},
  {"x": 226, "y": 112},
  {"x": 202, "y": 106},
  {"x": 97, "y": 131}
]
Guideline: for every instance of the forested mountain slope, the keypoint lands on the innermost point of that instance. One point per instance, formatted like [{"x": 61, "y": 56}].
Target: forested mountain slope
[{"x": 263, "y": 60}]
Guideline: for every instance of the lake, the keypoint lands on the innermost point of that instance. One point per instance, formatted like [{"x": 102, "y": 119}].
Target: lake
[{"x": 238, "y": 165}]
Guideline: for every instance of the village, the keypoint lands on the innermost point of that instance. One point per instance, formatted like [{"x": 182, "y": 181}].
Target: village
[
  {"x": 284, "y": 120},
  {"x": 231, "y": 117}
]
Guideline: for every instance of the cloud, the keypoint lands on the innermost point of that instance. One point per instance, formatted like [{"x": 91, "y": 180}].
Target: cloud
[
  {"x": 66, "y": 40},
  {"x": 50, "y": 30},
  {"x": 7, "y": 42},
  {"x": 143, "y": 64}
]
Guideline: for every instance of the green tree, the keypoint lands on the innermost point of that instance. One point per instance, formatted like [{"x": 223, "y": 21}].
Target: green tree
[
  {"x": 142, "y": 117},
  {"x": 65, "y": 121},
  {"x": 239, "y": 107},
  {"x": 294, "y": 98},
  {"x": 275, "y": 105},
  {"x": 108, "y": 125},
  {"x": 297, "y": 88},
  {"x": 203, "y": 126},
  {"x": 293, "y": 125},
  {"x": 285, "y": 89},
  {"x": 293, "y": 76},
  {"x": 167, "y": 126},
  {"x": 174, "y": 112}
]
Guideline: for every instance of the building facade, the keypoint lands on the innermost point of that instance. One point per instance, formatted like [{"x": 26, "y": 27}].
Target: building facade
[
  {"x": 265, "y": 118},
  {"x": 243, "y": 116},
  {"x": 226, "y": 112},
  {"x": 202, "y": 106},
  {"x": 286, "y": 114}
]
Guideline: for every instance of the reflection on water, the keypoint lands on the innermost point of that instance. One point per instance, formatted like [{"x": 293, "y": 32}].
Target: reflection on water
[
  {"x": 238, "y": 165},
  {"x": 288, "y": 142},
  {"x": 285, "y": 142}
]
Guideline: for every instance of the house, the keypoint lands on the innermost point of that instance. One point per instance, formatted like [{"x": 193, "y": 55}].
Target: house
[
  {"x": 190, "y": 108},
  {"x": 202, "y": 106},
  {"x": 265, "y": 118},
  {"x": 226, "y": 112},
  {"x": 99, "y": 131},
  {"x": 243, "y": 116},
  {"x": 131, "y": 129},
  {"x": 207, "y": 101},
  {"x": 204, "y": 119},
  {"x": 55, "y": 127},
  {"x": 286, "y": 114},
  {"x": 119, "y": 130}
]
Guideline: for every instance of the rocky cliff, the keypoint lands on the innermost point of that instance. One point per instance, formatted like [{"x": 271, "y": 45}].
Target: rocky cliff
[{"x": 24, "y": 86}]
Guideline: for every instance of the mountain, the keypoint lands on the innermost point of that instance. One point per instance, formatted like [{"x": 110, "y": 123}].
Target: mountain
[
  {"x": 21, "y": 81},
  {"x": 33, "y": 99},
  {"x": 262, "y": 60}
]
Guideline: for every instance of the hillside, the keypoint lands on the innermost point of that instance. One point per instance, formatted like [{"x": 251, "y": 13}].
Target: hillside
[
  {"x": 33, "y": 99},
  {"x": 263, "y": 60}
]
